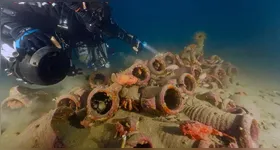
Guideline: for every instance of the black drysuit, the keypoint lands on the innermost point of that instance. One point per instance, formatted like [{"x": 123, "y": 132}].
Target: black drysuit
[{"x": 46, "y": 16}]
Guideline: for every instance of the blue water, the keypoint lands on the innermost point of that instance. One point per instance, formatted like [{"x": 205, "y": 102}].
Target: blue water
[{"x": 246, "y": 32}]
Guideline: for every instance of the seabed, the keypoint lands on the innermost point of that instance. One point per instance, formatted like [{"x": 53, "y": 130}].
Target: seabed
[{"x": 184, "y": 100}]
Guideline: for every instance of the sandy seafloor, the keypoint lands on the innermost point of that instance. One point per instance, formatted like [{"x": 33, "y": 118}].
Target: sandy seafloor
[{"x": 262, "y": 90}]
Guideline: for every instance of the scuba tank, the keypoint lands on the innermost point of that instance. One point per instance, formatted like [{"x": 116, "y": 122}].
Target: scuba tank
[{"x": 94, "y": 56}]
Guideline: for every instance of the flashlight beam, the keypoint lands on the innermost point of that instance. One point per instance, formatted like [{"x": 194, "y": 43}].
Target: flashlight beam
[{"x": 151, "y": 49}]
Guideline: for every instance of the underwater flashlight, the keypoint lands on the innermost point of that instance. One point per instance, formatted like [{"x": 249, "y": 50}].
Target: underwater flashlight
[
  {"x": 149, "y": 48},
  {"x": 145, "y": 44},
  {"x": 107, "y": 65}
]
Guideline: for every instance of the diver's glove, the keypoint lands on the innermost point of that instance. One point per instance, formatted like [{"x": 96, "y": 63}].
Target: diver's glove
[
  {"x": 137, "y": 45},
  {"x": 29, "y": 40}
]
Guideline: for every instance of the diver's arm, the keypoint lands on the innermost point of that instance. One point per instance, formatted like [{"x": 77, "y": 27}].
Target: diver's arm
[
  {"x": 100, "y": 20},
  {"x": 112, "y": 29}
]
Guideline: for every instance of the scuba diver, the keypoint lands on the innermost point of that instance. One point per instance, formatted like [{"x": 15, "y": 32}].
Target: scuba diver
[{"x": 40, "y": 39}]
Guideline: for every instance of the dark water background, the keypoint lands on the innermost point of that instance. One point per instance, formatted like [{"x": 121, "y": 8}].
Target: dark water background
[{"x": 245, "y": 32}]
